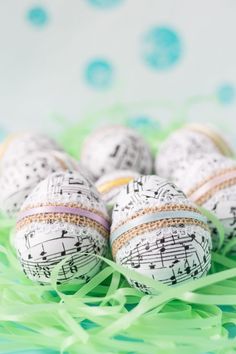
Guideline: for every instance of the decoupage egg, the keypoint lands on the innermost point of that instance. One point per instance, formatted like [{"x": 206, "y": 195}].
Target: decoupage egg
[
  {"x": 17, "y": 146},
  {"x": 116, "y": 148},
  {"x": 110, "y": 185},
  {"x": 19, "y": 178},
  {"x": 210, "y": 182},
  {"x": 63, "y": 216},
  {"x": 157, "y": 231},
  {"x": 184, "y": 144}
]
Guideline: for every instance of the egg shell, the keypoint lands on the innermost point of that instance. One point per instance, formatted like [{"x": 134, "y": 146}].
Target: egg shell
[
  {"x": 110, "y": 185},
  {"x": 116, "y": 148},
  {"x": 18, "y": 146},
  {"x": 184, "y": 144},
  {"x": 63, "y": 216},
  {"x": 19, "y": 178},
  {"x": 210, "y": 181},
  {"x": 158, "y": 232}
]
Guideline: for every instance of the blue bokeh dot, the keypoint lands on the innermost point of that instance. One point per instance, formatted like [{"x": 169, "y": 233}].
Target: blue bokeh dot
[
  {"x": 161, "y": 48},
  {"x": 99, "y": 74},
  {"x": 226, "y": 94},
  {"x": 105, "y": 4},
  {"x": 143, "y": 122},
  {"x": 37, "y": 16}
]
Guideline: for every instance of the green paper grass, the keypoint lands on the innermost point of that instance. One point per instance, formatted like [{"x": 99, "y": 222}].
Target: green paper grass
[{"x": 106, "y": 315}]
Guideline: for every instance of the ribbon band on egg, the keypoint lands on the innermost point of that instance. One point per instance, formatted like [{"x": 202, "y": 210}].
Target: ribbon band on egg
[
  {"x": 65, "y": 210},
  {"x": 223, "y": 147},
  {"x": 153, "y": 217},
  {"x": 206, "y": 190},
  {"x": 117, "y": 183}
]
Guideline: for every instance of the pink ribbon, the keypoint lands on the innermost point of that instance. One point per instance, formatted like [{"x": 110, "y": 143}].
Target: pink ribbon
[{"x": 214, "y": 182}]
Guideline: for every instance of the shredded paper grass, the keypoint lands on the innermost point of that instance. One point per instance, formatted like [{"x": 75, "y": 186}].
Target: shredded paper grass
[{"x": 106, "y": 315}]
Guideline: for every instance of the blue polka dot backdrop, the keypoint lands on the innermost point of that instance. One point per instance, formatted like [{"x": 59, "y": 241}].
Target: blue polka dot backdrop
[
  {"x": 37, "y": 16},
  {"x": 161, "y": 48},
  {"x": 105, "y": 4},
  {"x": 226, "y": 93},
  {"x": 99, "y": 74}
]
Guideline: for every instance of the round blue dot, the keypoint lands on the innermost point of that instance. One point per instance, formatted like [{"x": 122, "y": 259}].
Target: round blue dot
[
  {"x": 143, "y": 122},
  {"x": 104, "y": 4},
  {"x": 226, "y": 94},
  {"x": 99, "y": 74},
  {"x": 37, "y": 16},
  {"x": 162, "y": 48}
]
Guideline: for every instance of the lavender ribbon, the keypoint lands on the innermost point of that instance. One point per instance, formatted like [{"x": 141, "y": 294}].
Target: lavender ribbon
[{"x": 66, "y": 210}]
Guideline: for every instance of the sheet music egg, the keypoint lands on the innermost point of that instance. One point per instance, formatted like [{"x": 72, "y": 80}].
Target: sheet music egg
[
  {"x": 158, "y": 232},
  {"x": 210, "y": 182},
  {"x": 63, "y": 216},
  {"x": 17, "y": 146},
  {"x": 19, "y": 178},
  {"x": 116, "y": 147},
  {"x": 184, "y": 144},
  {"x": 110, "y": 185}
]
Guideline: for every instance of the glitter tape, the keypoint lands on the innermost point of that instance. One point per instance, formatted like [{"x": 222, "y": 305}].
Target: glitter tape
[
  {"x": 223, "y": 147},
  {"x": 211, "y": 184},
  {"x": 148, "y": 218},
  {"x": 65, "y": 210},
  {"x": 117, "y": 183}
]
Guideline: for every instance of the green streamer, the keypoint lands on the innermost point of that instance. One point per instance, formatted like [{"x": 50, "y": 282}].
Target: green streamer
[{"x": 106, "y": 315}]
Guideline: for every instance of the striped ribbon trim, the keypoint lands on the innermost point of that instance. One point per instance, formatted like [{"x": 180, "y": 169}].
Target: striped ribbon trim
[
  {"x": 163, "y": 215},
  {"x": 214, "y": 182},
  {"x": 65, "y": 210}
]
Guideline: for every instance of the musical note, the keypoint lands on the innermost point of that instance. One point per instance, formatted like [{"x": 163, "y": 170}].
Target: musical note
[
  {"x": 46, "y": 271},
  {"x": 173, "y": 278},
  {"x": 117, "y": 148},
  {"x": 63, "y": 233},
  {"x": 74, "y": 181},
  {"x": 152, "y": 265},
  {"x": 187, "y": 267},
  {"x": 78, "y": 244},
  {"x": 72, "y": 266},
  {"x": 174, "y": 262},
  {"x": 135, "y": 262},
  {"x": 43, "y": 253},
  {"x": 63, "y": 253},
  {"x": 162, "y": 250}
]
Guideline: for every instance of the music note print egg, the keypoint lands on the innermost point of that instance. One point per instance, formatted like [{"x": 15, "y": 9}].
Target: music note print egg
[
  {"x": 17, "y": 146},
  {"x": 116, "y": 147},
  {"x": 110, "y": 185},
  {"x": 157, "y": 231},
  {"x": 19, "y": 178},
  {"x": 185, "y": 144},
  {"x": 210, "y": 182},
  {"x": 63, "y": 216}
]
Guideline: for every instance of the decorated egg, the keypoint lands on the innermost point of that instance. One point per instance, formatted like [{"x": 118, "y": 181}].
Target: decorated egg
[
  {"x": 210, "y": 182},
  {"x": 19, "y": 178},
  {"x": 110, "y": 185},
  {"x": 158, "y": 232},
  {"x": 63, "y": 216},
  {"x": 184, "y": 144},
  {"x": 116, "y": 148},
  {"x": 17, "y": 146}
]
